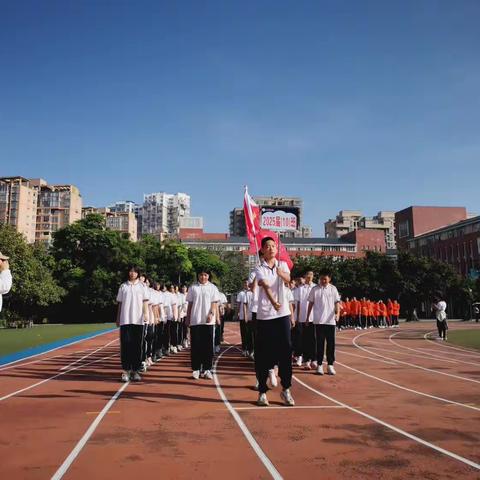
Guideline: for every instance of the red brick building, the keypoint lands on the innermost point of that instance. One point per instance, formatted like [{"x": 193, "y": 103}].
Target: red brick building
[
  {"x": 414, "y": 221},
  {"x": 457, "y": 244},
  {"x": 367, "y": 240}
]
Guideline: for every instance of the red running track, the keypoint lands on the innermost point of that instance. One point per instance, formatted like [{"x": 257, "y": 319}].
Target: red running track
[{"x": 401, "y": 406}]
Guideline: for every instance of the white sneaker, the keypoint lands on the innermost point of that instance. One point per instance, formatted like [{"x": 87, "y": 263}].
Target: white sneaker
[
  {"x": 143, "y": 368},
  {"x": 245, "y": 353},
  {"x": 149, "y": 361},
  {"x": 320, "y": 370},
  {"x": 273, "y": 378},
  {"x": 217, "y": 349},
  {"x": 308, "y": 365},
  {"x": 252, "y": 356},
  {"x": 125, "y": 376},
  {"x": 331, "y": 370},
  {"x": 136, "y": 377},
  {"x": 299, "y": 361},
  {"x": 314, "y": 364},
  {"x": 179, "y": 348},
  {"x": 174, "y": 350},
  {"x": 262, "y": 400},
  {"x": 287, "y": 398},
  {"x": 208, "y": 375},
  {"x": 185, "y": 343},
  {"x": 196, "y": 374}
]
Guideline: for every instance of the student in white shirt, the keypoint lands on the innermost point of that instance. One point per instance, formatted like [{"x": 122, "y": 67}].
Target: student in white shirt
[
  {"x": 132, "y": 301},
  {"x": 222, "y": 300},
  {"x": 440, "y": 309},
  {"x": 305, "y": 349},
  {"x": 5, "y": 277},
  {"x": 159, "y": 325},
  {"x": 241, "y": 301},
  {"x": 324, "y": 301},
  {"x": 184, "y": 292},
  {"x": 274, "y": 323},
  {"x": 172, "y": 316},
  {"x": 202, "y": 316}
]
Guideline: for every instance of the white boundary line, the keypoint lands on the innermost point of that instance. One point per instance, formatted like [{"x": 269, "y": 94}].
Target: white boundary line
[
  {"x": 362, "y": 356},
  {"x": 91, "y": 429},
  {"x": 411, "y": 390},
  {"x": 56, "y": 348},
  {"x": 41, "y": 382},
  {"x": 422, "y": 352},
  {"x": 277, "y": 407},
  {"x": 392, "y": 427},
  {"x": 246, "y": 432},
  {"x": 66, "y": 367},
  {"x": 354, "y": 341}
]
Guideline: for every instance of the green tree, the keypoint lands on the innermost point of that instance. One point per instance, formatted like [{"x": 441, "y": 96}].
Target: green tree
[{"x": 34, "y": 289}]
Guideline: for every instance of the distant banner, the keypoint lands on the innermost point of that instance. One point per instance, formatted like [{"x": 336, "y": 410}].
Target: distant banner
[{"x": 279, "y": 221}]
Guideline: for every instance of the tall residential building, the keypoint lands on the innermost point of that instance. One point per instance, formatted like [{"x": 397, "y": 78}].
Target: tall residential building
[
  {"x": 57, "y": 207},
  {"x": 351, "y": 220},
  {"x": 292, "y": 205},
  {"x": 161, "y": 213},
  {"x": 121, "y": 221},
  {"x": 18, "y": 205}
]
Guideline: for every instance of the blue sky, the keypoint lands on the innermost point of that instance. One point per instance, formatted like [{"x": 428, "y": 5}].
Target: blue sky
[{"x": 370, "y": 105}]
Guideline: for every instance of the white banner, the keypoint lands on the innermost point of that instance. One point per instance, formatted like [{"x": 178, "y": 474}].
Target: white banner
[{"x": 279, "y": 221}]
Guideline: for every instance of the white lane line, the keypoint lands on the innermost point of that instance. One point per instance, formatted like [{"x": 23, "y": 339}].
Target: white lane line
[
  {"x": 278, "y": 407},
  {"x": 422, "y": 353},
  {"x": 411, "y": 390},
  {"x": 251, "y": 440},
  {"x": 66, "y": 367},
  {"x": 53, "y": 377},
  {"x": 56, "y": 348},
  {"x": 417, "y": 354},
  {"x": 466, "y": 352},
  {"x": 392, "y": 427},
  {"x": 363, "y": 356},
  {"x": 91, "y": 429},
  {"x": 60, "y": 355},
  {"x": 354, "y": 341}
]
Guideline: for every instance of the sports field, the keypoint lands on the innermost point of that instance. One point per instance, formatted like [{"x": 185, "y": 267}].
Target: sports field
[
  {"x": 402, "y": 406},
  {"x": 15, "y": 340},
  {"x": 465, "y": 338}
]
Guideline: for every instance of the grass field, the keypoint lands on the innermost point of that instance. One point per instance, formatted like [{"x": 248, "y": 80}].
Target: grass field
[
  {"x": 465, "y": 338},
  {"x": 16, "y": 340}
]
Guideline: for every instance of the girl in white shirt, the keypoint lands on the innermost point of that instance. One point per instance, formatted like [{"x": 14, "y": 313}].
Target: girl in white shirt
[{"x": 132, "y": 301}]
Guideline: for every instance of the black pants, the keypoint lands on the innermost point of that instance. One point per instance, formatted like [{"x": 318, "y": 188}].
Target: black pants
[
  {"x": 308, "y": 341},
  {"x": 442, "y": 328},
  {"x": 165, "y": 336},
  {"x": 218, "y": 335},
  {"x": 158, "y": 337},
  {"x": 395, "y": 319},
  {"x": 172, "y": 326},
  {"x": 297, "y": 339},
  {"x": 149, "y": 337},
  {"x": 273, "y": 343},
  {"x": 243, "y": 334},
  {"x": 201, "y": 348},
  {"x": 250, "y": 327},
  {"x": 131, "y": 340},
  {"x": 325, "y": 334}
]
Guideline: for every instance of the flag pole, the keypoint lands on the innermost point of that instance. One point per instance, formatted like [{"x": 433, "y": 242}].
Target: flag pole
[{"x": 253, "y": 226}]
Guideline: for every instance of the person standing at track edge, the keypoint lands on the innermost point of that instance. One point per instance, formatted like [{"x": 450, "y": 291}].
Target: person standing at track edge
[
  {"x": 5, "y": 277},
  {"x": 274, "y": 323},
  {"x": 440, "y": 309},
  {"x": 202, "y": 316},
  {"x": 132, "y": 301},
  {"x": 324, "y": 300}
]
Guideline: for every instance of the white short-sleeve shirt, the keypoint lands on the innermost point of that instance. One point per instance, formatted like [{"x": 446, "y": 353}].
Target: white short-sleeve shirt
[
  {"x": 265, "y": 310},
  {"x": 201, "y": 296},
  {"x": 324, "y": 300},
  {"x": 301, "y": 294},
  {"x": 5, "y": 284},
  {"x": 131, "y": 296},
  {"x": 241, "y": 299}
]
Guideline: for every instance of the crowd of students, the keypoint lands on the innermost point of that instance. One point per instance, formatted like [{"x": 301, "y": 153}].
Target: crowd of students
[
  {"x": 154, "y": 322},
  {"x": 282, "y": 321}
]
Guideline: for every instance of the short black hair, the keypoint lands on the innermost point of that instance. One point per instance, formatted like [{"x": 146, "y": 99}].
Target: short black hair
[
  {"x": 203, "y": 270},
  {"x": 267, "y": 239},
  {"x": 326, "y": 273}
]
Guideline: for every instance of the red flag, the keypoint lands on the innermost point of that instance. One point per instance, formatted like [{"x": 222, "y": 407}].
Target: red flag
[{"x": 252, "y": 220}]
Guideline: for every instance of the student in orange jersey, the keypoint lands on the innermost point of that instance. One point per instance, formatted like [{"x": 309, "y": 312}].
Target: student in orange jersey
[
  {"x": 382, "y": 310},
  {"x": 376, "y": 314},
  {"x": 370, "y": 314},
  {"x": 395, "y": 314},
  {"x": 389, "y": 312},
  {"x": 356, "y": 308},
  {"x": 363, "y": 313}
]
